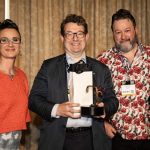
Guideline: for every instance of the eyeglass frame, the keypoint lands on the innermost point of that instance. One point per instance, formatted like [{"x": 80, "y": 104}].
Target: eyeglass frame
[
  {"x": 72, "y": 34},
  {"x": 10, "y": 40}
]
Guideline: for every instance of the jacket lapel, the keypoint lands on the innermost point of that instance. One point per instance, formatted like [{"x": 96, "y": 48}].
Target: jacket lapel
[{"x": 62, "y": 76}]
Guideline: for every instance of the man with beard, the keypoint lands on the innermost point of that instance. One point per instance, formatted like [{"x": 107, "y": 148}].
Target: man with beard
[{"x": 129, "y": 62}]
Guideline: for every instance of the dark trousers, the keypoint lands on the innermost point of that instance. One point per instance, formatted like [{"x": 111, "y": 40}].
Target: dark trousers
[
  {"x": 80, "y": 140},
  {"x": 118, "y": 143}
]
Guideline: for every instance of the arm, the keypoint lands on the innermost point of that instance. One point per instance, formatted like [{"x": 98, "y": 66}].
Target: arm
[
  {"x": 110, "y": 101},
  {"x": 40, "y": 103}
]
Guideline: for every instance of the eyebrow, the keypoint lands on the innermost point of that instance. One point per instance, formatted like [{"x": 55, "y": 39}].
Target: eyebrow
[
  {"x": 12, "y": 37},
  {"x": 74, "y": 32}
]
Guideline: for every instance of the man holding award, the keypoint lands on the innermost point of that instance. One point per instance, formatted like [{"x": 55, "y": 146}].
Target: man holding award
[{"x": 73, "y": 94}]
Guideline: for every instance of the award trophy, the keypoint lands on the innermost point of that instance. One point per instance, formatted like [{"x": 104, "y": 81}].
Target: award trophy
[
  {"x": 84, "y": 92},
  {"x": 93, "y": 110}
]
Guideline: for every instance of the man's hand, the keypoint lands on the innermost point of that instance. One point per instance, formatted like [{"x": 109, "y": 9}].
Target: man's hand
[
  {"x": 110, "y": 130},
  {"x": 69, "y": 109}
]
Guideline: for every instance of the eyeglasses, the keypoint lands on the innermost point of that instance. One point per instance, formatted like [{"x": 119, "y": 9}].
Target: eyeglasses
[
  {"x": 14, "y": 40},
  {"x": 70, "y": 35}
]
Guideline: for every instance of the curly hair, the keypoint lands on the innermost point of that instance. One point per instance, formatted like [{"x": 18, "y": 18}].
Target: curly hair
[
  {"x": 122, "y": 14},
  {"x": 79, "y": 20}
]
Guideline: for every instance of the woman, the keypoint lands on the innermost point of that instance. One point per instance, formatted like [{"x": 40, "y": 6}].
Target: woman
[{"x": 14, "y": 113}]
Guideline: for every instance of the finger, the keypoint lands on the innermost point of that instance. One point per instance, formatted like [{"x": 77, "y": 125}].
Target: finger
[
  {"x": 76, "y": 109},
  {"x": 114, "y": 130},
  {"x": 101, "y": 104},
  {"x": 112, "y": 135},
  {"x": 76, "y": 115},
  {"x": 74, "y": 104},
  {"x": 73, "y": 115}
]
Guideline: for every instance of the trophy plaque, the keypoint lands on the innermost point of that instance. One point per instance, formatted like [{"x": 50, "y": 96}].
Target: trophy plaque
[{"x": 84, "y": 92}]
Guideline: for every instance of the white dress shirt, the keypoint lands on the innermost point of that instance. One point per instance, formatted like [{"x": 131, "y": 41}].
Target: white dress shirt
[{"x": 80, "y": 122}]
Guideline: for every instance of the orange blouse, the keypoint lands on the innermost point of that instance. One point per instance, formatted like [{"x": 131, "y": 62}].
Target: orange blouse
[{"x": 14, "y": 113}]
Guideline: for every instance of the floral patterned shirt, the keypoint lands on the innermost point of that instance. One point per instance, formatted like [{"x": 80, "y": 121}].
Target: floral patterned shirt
[{"x": 132, "y": 119}]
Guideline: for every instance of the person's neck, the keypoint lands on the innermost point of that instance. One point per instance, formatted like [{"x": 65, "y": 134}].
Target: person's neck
[
  {"x": 131, "y": 54},
  {"x": 76, "y": 57},
  {"x": 7, "y": 66}
]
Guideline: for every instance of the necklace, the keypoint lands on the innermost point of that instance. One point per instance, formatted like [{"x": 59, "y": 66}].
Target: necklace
[{"x": 11, "y": 76}]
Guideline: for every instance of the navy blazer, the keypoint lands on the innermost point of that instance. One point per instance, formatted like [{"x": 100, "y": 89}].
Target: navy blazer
[{"x": 50, "y": 88}]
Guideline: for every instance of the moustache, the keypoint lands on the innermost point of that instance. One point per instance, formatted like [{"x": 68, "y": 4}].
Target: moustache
[{"x": 127, "y": 40}]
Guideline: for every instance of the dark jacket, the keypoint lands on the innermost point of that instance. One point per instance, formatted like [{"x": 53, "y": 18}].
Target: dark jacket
[{"x": 50, "y": 88}]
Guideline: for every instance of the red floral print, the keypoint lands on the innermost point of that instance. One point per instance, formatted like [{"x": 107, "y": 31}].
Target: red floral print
[{"x": 131, "y": 120}]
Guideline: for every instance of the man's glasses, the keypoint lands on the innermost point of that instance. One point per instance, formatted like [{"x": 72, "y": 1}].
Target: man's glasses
[
  {"x": 70, "y": 35},
  {"x": 14, "y": 40}
]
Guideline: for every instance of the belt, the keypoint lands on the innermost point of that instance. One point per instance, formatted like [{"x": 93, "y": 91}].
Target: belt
[{"x": 77, "y": 130}]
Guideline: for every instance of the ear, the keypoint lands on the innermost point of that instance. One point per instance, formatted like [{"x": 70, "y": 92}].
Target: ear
[
  {"x": 62, "y": 38},
  {"x": 136, "y": 30},
  {"x": 87, "y": 36}
]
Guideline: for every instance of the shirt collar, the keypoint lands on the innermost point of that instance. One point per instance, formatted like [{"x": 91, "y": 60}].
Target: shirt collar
[{"x": 71, "y": 61}]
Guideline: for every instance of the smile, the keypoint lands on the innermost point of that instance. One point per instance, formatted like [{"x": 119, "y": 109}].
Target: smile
[{"x": 75, "y": 44}]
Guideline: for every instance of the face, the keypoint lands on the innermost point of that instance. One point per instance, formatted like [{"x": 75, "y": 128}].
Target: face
[
  {"x": 74, "y": 39},
  {"x": 10, "y": 43},
  {"x": 125, "y": 35}
]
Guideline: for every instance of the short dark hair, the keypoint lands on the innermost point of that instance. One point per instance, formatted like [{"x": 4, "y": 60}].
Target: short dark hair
[
  {"x": 7, "y": 23},
  {"x": 74, "y": 19},
  {"x": 122, "y": 14}
]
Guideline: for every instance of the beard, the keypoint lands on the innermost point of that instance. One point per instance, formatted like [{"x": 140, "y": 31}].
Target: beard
[{"x": 127, "y": 45}]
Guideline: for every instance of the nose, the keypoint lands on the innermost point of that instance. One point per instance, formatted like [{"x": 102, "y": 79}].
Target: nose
[
  {"x": 75, "y": 36},
  {"x": 122, "y": 35},
  {"x": 10, "y": 43}
]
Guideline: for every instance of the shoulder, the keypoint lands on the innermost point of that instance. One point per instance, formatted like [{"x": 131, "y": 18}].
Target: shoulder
[
  {"x": 146, "y": 54},
  {"x": 20, "y": 72},
  {"x": 54, "y": 60},
  {"x": 107, "y": 52},
  {"x": 21, "y": 75},
  {"x": 52, "y": 64},
  {"x": 96, "y": 63},
  {"x": 106, "y": 56}
]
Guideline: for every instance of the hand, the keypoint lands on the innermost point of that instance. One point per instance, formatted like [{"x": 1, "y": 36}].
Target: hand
[
  {"x": 69, "y": 109},
  {"x": 110, "y": 130}
]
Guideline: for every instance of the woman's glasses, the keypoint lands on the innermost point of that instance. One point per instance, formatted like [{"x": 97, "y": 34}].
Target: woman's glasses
[{"x": 14, "y": 40}]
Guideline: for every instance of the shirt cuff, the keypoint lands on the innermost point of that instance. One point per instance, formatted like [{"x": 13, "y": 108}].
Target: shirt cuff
[{"x": 54, "y": 111}]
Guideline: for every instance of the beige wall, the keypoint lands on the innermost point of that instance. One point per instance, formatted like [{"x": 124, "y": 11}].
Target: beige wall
[{"x": 39, "y": 22}]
